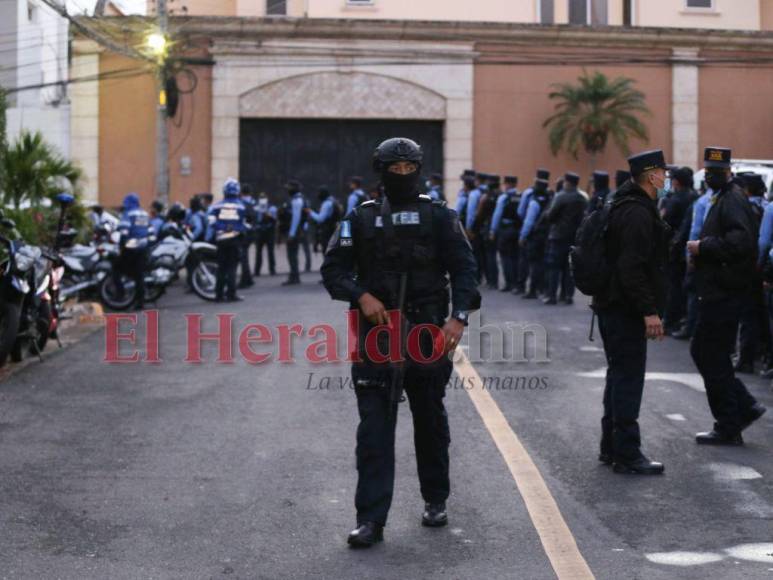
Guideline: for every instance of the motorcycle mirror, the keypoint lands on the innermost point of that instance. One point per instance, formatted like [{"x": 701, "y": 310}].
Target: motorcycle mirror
[{"x": 8, "y": 223}]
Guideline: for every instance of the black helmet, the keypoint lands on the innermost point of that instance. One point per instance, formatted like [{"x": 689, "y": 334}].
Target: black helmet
[
  {"x": 176, "y": 213},
  {"x": 394, "y": 150}
]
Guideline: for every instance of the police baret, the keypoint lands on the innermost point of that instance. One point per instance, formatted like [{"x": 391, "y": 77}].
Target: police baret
[
  {"x": 482, "y": 176},
  {"x": 646, "y": 161},
  {"x": 572, "y": 178},
  {"x": 437, "y": 176},
  {"x": 600, "y": 179},
  {"x": 719, "y": 157},
  {"x": 512, "y": 179},
  {"x": 683, "y": 175},
  {"x": 755, "y": 182},
  {"x": 231, "y": 187},
  {"x": 467, "y": 173},
  {"x": 543, "y": 175}
]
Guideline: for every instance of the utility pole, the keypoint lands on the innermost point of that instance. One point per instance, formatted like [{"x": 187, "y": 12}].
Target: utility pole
[{"x": 162, "y": 130}]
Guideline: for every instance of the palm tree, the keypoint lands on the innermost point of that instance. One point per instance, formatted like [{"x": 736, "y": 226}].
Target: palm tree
[
  {"x": 588, "y": 113},
  {"x": 33, "y": 170}
]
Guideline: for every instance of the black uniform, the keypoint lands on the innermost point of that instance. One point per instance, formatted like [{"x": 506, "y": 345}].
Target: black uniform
[
  {"x": 725, "y": 270},
  {"x": 564, "y": 217},
  {"x": 637, "y": 247},
  {"x": 368, "y": 249}
]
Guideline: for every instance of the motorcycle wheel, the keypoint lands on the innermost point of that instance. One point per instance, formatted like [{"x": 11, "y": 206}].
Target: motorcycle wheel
[
  {"x": 42, "y": 328},
  {"x": 153, "y": 293},
  {"x": 9, "y": 326},
  {"x": 110, "y": 297},
  {"x": 204, "y": 278}
]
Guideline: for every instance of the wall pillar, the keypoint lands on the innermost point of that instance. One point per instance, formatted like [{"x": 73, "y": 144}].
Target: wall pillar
[
  {"x": 84, "y": 116},
  {"x": 684, "y": 107}
]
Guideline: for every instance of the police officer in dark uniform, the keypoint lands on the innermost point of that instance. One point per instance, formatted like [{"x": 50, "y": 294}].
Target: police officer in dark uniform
[
  {"x": 534, "y": 234},
  {"x": 564, "y": 216},
  {"x": 600, "y": 191},
  {"x": 505, "y": 227},
  {"x": 405, "y": 236},
  {"x": 629, "y": 309},
  {"x": 725, "y": 257},
  {"x": 134, "y": 228},
  {"x": 227, "y": 221},
  {"x": 265, "y": 229},
  {"x": 482, "y": 227}
]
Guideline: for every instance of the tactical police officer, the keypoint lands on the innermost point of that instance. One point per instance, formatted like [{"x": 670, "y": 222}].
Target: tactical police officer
[
  {"x": 227, "y": 223},
  {"x": 725, "y": 257},
  {"x": 482, "y": 227},
  {"x": 471, "y": 213},
  {"x": 404, "y": 246},
  {"x": 134, "y": 228},
  {"x": 564, "y": 216},
  {"x": 629, "y": 309},
  {"x": 533, "y": 236},
  {"x": 248, "y": 237}
]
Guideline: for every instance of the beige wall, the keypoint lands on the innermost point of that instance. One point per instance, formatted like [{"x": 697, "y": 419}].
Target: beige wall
[
  {"x": 766, "y": 14},
  {"x": 511, "y": 102},
  {"x": 127, "y": 135},
  {"x": 199, "y": 7},
  {"x": 737, "y": 110},
  {"x": 481, "y": 10},
  {"x": 727, "y": 15}
]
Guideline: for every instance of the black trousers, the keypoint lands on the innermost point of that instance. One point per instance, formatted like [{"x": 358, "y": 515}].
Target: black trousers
[
  {"x": 711, "y": 348},
  {"x": 265, "y": 239},
  {"x": 304, "y": 238},
  {"x": 625, "y": 346},
  {"x": 752, "y": 330},
  {"x": 559, "y": 271},
  {"x": 479, "y": 251},
  {"x": 132, "y": 265},
  {"x": 535, "y": 251},
  {"x": 293, "y": 245},
  {"x": 376, "y": 442},
  {"x": 507, "y": 246},
  {"x": 244, "y": 260},
  {"x": 228, "y": 255},
  {"x": 677, "y": 295},
  {"x": 492, "y": 269}
]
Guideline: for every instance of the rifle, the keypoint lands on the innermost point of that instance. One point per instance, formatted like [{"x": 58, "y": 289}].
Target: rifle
[{"x": 398, "y": 367}]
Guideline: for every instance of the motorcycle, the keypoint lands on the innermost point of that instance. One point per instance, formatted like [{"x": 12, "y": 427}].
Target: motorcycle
[
  {"x": 174, "y": 250},
  {"x": 85, "y": 267}
]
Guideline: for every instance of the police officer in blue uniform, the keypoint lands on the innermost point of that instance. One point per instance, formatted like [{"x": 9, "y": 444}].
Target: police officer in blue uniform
[
  {"x": 156, "y": 217},
  {"x": 533, "y": 236},
  {"x": 327, "y": 217},
  {"x": 227, "y": 223},
  {"x": 435, "y": 187},
  {"x": 600, "y": 191},
  {"x": 504, "y": 231},
  {"x": 468, "y": 184},
  {"x": 543, "y": 176},
  {"x": 294, "y": 219},
  {"x": 134, "y": 228},
  {"x": 725, "y": 258},
  {"x": 380, "y": 243},
  {"x": 266, "y": 216},
  {"x": 248, "y": 237},
  {"x": 357, "y": 195}
]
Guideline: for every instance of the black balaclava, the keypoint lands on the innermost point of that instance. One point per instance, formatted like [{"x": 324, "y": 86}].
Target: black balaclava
[{"x": 400, "y": 188}]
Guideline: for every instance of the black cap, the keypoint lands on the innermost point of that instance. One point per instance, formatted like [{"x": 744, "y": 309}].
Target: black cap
[
  {"x": 494, "y": 180},
  {"x": 717, "y": 157},
  {"x": 684, "y": 175},
  {"x": 543, "y": 175},
  {"x": 511, "y": 179},
  {"x": 436, "y": 176},
  {"x": 356, "y": 180},
  {"x": 755, "y": 183},
  {"x": 621, "y": 176},
  {"x": 600, "y": 179},
  {"x": 646, "y": 161},
  {"x": 293, "y": 185},
  {"x": 481, "y": 175},
  {"x": 572, "y": 178},
  {"x": 467, "y": 173}
]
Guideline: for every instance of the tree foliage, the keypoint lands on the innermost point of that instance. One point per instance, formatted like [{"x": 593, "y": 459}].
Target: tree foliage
[{"x": 588, "y": 113}]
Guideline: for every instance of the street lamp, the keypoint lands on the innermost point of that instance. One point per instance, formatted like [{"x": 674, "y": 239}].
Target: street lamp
[{"x": 156, "y": 43}]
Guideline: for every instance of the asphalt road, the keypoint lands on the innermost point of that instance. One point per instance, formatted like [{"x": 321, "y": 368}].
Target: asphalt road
[{"x": 210, "y": 470}]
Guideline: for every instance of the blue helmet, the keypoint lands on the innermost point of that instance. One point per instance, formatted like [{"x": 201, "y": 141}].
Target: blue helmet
[
  {"x": 131, "y": 201},
  {"x": 231, "y": 188}
]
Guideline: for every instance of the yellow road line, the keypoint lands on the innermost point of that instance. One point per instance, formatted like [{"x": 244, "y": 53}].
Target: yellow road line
[{"x": 556, "y": 538}]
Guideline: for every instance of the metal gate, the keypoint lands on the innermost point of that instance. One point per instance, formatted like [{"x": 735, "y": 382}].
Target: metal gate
[{"x": 324, "y": 152}]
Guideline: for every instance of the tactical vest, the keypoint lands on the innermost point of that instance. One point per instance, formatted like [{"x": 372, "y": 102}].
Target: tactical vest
[
  {"x": 396, "y": 240},
  {"x": 510, "y": 210}
]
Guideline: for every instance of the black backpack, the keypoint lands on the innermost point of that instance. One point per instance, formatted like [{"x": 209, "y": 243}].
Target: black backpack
[{"x": 591, "y": 269}]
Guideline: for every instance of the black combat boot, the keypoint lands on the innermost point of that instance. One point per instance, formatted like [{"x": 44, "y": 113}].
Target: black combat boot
[
  {"x": 434, "y": 515},
  {"x": 718, "y": 438},
  {"x": 366, "y": 534},
  {"x": 639, "y": 466}
]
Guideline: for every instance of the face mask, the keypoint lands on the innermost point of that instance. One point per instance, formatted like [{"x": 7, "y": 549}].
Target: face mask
[
  {"x": 716, "y": 181},
  {"x": 400, "y": 188}
]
